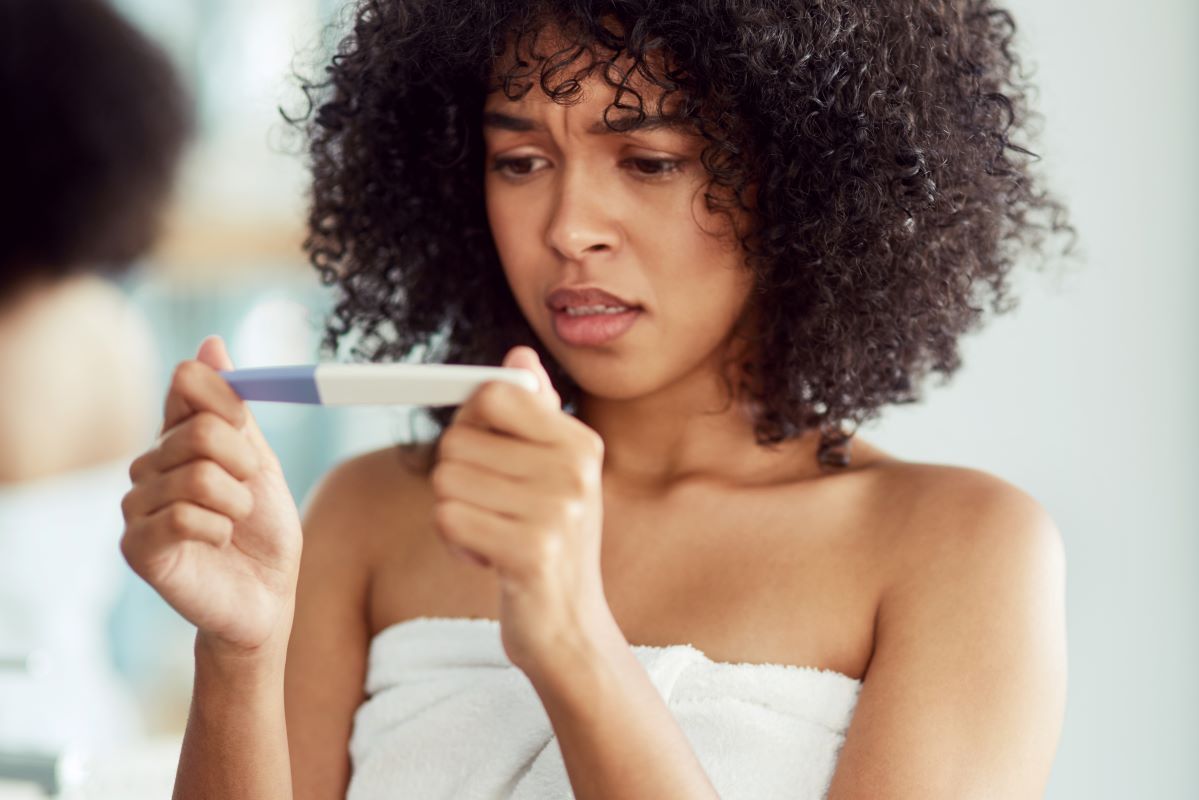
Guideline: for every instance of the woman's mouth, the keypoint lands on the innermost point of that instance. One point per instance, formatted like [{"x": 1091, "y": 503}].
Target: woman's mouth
[{"x": 591, "y": 326}]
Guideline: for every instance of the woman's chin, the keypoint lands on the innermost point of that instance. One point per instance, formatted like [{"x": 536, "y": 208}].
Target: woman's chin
[{"x": 615, "y": 385}]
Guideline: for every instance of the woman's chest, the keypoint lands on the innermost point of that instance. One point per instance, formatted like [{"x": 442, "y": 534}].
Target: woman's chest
[{"x": 759, "y": 577}]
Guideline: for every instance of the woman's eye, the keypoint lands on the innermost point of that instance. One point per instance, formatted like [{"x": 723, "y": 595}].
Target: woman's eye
[
  {"x": 659, "y": 166},
  {"x": 518, "y": 167},
  {"x": 503, "y": 164}
]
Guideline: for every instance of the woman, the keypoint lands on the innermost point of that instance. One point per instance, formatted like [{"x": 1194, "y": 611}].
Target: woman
[{"x": 770, "y": 221}]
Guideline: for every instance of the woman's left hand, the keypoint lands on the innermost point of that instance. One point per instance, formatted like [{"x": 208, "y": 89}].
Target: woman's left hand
[{"x": 518, "y": 489}]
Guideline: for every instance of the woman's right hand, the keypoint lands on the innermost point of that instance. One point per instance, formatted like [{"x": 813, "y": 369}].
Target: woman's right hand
[{"x": 210, "y": 522}]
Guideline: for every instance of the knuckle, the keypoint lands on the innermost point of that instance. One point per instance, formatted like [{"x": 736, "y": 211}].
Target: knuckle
[
  {"x": 178, "y": 518},
  {"x": 590, "y": 441},
  {"x": 444, "y": 514},
  {"x": 203, "y": 432},
  {"x": 137, "y": 467},
  {"x": 574, "y": 481},
  {"x": 246, "y": 503},
  {"x": 199, "y": 480},
  {"x": 183, "y": 375},
  {"x": 127, "y": 547},
  {"x": 581, "y": 475},
  {"x": 546, "y": 549},
  {"x": 127, "y": 505},
  {"x": 572, "y": 510},
  {"x": 442, "y": 478},
  {"x": 491, "y": 396},
  {"x": 449, "y": 442}
]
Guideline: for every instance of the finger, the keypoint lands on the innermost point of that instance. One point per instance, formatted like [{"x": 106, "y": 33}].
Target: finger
[
  {"x": 202, "y": 482},
  {"x": 455, "y": 480},
  {"x": 467, "y": 555},
  {"x": 155, "y": 539},
  {"x": 196, "y": 386},
  {"x": 214, "y": 353},
  {"x": 144, "y": 465},
  {"x": 483, "y": 533},
  {"x": 209, "y": 436},
  {"x": 218, "y": 396},
  {"x": 526, "y": 358},
  {"x": 511, "y": 410},
  {"x": 506, "y": 455}
]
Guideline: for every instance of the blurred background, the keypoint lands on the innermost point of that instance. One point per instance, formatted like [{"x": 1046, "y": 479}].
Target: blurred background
[{"x": 1085, "y": 396}]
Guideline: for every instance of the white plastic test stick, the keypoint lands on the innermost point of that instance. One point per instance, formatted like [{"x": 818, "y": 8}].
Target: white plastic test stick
[{"x": 371, "y": 384}]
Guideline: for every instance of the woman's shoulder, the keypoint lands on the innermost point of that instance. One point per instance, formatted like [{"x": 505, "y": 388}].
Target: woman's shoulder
[
  {"x": 933, "y": 533},
  {"x": 949, "y": 525},
  {"x": 960, "y": 502},
  {"x": 79, "y": 331},
  {"x": 364, "y": 481},
  {"x": 921, "y": 503},
  {"x": 371, "y": 492},
  {"x": 371, "y": 470}
]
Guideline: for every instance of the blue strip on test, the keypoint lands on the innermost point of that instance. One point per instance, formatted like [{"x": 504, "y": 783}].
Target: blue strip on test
[{"x": 280, "y": 384}]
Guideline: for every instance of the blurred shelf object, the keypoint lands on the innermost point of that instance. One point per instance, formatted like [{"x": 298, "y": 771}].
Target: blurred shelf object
[
  {"x": 29, "y": 772},
  {"x": 233, "y": 212},
  {"x": 205, "y": 246}
]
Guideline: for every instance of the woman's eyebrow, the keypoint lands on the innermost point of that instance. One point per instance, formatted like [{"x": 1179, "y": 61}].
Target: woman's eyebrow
[{"x": 508, "y": 122}]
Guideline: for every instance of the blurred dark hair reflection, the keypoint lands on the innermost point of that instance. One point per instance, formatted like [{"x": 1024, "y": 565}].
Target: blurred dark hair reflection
[{"x": 96, "y": 120}]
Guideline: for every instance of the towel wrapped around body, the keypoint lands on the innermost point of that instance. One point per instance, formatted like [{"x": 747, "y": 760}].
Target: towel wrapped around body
[{"x": 449, "y": 716}]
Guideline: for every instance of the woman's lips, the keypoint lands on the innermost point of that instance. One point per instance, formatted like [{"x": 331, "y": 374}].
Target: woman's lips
[{"x": 592, "y": 330}]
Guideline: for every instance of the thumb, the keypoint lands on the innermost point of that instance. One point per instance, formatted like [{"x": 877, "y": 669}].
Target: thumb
[
  {"x": 214, "y": 353},
  {"x": 526, "y": 358}
]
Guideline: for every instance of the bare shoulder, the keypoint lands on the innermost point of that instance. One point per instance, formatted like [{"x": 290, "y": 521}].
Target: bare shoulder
[
  {"x": 365, "y": 493},
  {"x": 946, "y": 515},
  {"x": 958, "y": 535},
  {"x": 358, "y": 515},
  {"x": 965, "y": 690},
  {"x": 363, "y": 474},
  {"x": 78, "y": 331},
  {"x": 928, "y": 514}
]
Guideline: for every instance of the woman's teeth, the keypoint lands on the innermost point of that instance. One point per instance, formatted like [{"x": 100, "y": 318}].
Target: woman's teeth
[{"x": 580, "y": 311}]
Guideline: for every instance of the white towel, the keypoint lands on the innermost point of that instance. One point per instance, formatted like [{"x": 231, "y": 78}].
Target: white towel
[{"x": 449, "y": 716}]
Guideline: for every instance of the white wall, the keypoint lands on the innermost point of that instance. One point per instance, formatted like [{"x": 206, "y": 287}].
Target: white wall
[{"x": 1086, "y": 396}]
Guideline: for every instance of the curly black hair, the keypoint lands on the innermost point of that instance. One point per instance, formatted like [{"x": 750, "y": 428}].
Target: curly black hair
[
  {"x": 96, "y": 121},
  {"x": 876, "y": 140}
]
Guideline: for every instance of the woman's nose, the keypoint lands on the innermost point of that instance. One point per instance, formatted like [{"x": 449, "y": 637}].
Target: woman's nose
[{"x": 584, "y": 213}]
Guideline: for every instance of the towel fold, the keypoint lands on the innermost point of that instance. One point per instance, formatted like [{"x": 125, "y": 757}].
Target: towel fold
[{"x": 449, "y": 716}]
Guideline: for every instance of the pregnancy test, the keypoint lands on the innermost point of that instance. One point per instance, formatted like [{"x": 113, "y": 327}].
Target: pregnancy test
[{"x": 371, "y": 384}]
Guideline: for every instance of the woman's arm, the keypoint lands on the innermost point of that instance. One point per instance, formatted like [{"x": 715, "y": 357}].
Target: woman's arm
[
  {"x": 281, "y": 628},
  {"x": 240, "y": 743},
  {"x": 965, "y": 692},
  {"x": 211, "y": 526},
  {"x": 617, "y": 736},
  {"x": 235, "y": 745}
]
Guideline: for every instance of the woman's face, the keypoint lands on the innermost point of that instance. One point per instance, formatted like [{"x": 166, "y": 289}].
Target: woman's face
[{"x": 572, "y": 204}]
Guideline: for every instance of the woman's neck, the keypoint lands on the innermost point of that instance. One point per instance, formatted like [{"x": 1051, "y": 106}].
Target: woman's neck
[{"x": 690, "y": 431}]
